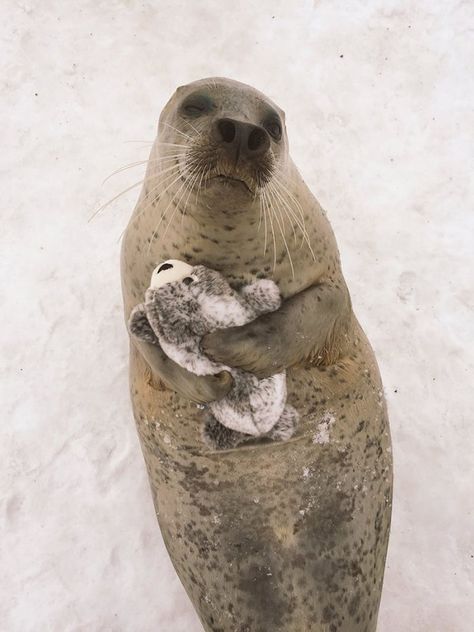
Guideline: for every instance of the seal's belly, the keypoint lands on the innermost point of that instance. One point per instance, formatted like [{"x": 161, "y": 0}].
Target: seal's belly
[{"x": 277, "y": 536}]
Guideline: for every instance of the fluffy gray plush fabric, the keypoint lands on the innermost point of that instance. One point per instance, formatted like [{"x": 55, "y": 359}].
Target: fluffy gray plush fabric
[{"x": 178, "y": 313}]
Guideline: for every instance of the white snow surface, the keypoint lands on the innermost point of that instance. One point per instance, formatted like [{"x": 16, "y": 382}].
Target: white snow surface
[{"x": 378, "y": 96}]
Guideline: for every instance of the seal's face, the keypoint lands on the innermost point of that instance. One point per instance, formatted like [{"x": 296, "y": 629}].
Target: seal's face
[{"x": 223, "y": 133}]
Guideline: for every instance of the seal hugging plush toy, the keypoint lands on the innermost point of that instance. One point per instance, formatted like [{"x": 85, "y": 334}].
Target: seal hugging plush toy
[{"x": 185, "y": 302}]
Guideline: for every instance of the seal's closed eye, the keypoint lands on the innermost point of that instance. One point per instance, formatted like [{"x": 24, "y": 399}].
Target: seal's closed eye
[
  {"x": 273, "y": 127},
  {"x": 196, "y": 104}
]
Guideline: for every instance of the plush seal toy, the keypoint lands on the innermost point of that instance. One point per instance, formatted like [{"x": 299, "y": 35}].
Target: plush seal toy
[
  {"x": 182, "y": 304},
  {"x": 287, "y": 536}
]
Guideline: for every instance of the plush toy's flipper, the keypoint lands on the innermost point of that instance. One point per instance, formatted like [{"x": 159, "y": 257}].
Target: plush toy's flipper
[
  {"x": 286, "y": 425},
  {"x": 219, "y": 437},
  {"x": 140, "y": 327},
  {"x": 262, "y": 296}
]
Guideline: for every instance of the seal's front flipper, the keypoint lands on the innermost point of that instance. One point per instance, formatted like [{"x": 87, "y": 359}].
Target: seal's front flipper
[
  {"x": 309, "y": 327},
  {"x": 201, "y": 389},
  {"x": 286, "y": 425},
  {"x": 219, "y": 437}
]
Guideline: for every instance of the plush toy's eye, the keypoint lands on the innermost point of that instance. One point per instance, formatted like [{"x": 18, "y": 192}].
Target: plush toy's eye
[
  {"x": 188, "y": 280},
  {"x": 165, "y": 266}
]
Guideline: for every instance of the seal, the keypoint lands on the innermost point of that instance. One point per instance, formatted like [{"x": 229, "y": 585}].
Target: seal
[{"x": 269, "y": 535}]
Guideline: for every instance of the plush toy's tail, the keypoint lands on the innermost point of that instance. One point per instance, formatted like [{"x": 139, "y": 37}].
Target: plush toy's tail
[
  {"x": 218, "y": 437},
  {"x": 286, "y": 425}
]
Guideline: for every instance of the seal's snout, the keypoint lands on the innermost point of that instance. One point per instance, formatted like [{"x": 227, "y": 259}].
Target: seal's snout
[{"x": 241, "y": 139}]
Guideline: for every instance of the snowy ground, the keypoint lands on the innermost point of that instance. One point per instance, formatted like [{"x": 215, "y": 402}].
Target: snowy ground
[{"x": 378, "y": 96}]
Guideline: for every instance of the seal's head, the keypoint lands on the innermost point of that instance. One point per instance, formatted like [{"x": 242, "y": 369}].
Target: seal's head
[{"x": 223, "y": 133}]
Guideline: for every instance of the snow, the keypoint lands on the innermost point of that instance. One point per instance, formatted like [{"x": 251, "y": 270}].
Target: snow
[
  {"x": 378, "y": 97},
  {"x": 323, "y": 428}
]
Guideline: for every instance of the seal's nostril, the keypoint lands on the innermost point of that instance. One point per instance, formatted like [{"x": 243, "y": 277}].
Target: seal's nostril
[
  {"x": 188, "y": 280},
  {"x": 256, "y": 139},
  {"x": 227, "y": 131}
]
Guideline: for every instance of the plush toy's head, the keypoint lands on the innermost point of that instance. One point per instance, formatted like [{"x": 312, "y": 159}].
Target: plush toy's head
[
  {"x": 190, "y": 301},
  {"x": 169, "y": 271},
  {"x": 172, "y": 301}
]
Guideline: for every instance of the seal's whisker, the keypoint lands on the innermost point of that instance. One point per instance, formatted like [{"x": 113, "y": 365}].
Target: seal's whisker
[
  {"x": 191, "y": 125},
  {"x": 147, "y": 195},
  {"x": 177, "y": 206},
  {"x": 301, "y": 226},
  {"x": 143, "y": 142},
  {"x": 163, "y": 214},
  {"x": 273, "y": 234},
  {"x": 178, "y": 153},
  {"x": 281, "y": 227},
  {"x": 165, "y": 144},
  {"x": 169, "y": 180},
  {"x": 301, "y": 223},
  {"x": 191, "y": 186},
  {"x": 131, "y": 165},
  {"x": 282, "y": 180},
  {"x": 272, "y": 229},
  {"x": 171, "y": 172},
  {"x": 155, "y": 232},
  {"x": 101, "y": 208},
  {"x": 198, "y": 190},
  {"x": 171, "y": 158},
  {"x": 260, "y": 214},
  {"x": 291, "y": 212},
  {"x": 178, "y": 131},
  {"x": 184, "y": 184},
  {"x": 143, "y": 181},
  {"x": 147, "y": 142},
  {"x": 265, "y": 221},
  {"x": 124, "y": 168},
  {"x": 272, "y": 191}
]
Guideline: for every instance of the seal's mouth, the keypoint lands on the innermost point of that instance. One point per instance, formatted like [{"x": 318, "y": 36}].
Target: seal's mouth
[
  {"x": 231, "y": 180},
  {"x": 205, "y": 164}
]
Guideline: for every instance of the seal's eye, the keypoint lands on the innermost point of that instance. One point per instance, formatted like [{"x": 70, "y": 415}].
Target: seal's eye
[
  {"x": 188, "y": 280},
  {"x": 196, "y": 104},
  {"x": 273, "y": 127}
]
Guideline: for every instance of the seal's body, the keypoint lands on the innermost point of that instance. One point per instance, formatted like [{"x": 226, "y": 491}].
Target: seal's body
[{"x": 267, "y": 536}]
